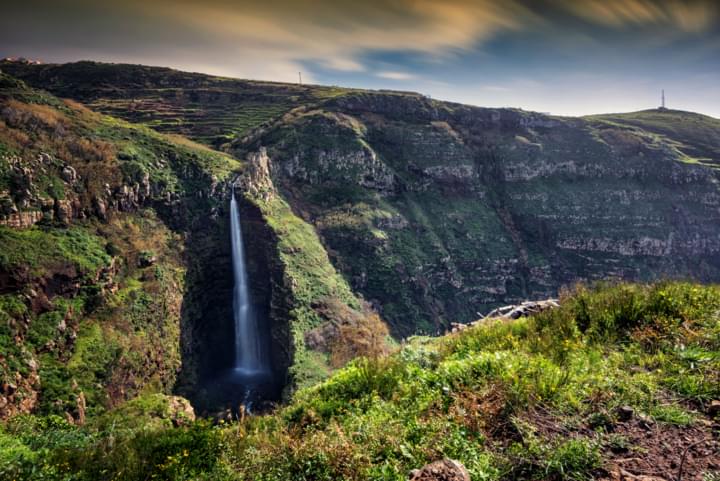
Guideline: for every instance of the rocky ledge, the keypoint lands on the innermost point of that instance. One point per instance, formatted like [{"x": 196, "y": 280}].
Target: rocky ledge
[
  {"x": 524, "y": 309},
  {"x": 444, "y": 470}
]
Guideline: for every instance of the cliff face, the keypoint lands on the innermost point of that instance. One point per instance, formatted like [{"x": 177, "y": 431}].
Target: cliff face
[
  {"x": 115, "y": 270},
  {"x": 94, "y": 220},
  {"x": 437, "y": 212},
  {"x": 431, "y": 211}
]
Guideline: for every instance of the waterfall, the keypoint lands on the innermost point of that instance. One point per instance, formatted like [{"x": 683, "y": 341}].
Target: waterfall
[{"x": 249, "y": 355}]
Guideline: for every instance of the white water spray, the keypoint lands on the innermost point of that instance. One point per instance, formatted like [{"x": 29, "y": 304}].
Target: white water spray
[{"x": 249, "y": 355}]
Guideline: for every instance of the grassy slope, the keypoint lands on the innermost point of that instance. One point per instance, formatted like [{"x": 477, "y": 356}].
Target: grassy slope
[
  {"x": 117, "y": 152},
  {"x": 534, "y": 398},
  {"x": 696, "y": 136},
  {"x": 205, "y": 108},
  {"x": 312, "y": 282},
  {"x": 112, "y": 328}
]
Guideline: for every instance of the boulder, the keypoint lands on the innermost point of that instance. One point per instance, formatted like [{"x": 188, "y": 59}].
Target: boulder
[
  {"x": 69, "y": 174},
  {"x": 444, "y": 470},
  {"x": 64, "y": 211},
  {"x": 714, "y": 409},
  {"x": 526, "y": 308},
  {"x": 180, "y": 410},
  {"x": 147, "y": 259},
  {"x": 22, "y": 219},
  {"x": 625, "y": 413}
]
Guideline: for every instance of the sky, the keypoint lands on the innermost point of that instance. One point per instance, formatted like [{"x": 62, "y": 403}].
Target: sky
[{"x": 566, "y": 57}]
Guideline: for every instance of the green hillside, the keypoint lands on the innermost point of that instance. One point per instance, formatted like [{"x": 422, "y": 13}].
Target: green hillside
[
  {"x": 92, "y": 273},
  {"x": 459, "y": 209},
  {"x": 208, "y": 109},
  {"x": 115, "y": 264},
  {"x": 695, "y": 135},
  {"x": 370, "y": 220},
  {"x": 619, "y": 378}
]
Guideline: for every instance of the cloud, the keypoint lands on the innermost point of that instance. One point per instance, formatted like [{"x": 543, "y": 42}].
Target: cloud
[
  {"x": 691, "y": 16},
  {"x": 335, "y": 34},
  {"x": 418, "y": 41},
  {"x": 495, "y": 88},
  {"x": 396, "y": 75}
]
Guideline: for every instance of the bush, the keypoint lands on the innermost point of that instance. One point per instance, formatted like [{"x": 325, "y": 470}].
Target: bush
[{"x": 165, "y": 454}]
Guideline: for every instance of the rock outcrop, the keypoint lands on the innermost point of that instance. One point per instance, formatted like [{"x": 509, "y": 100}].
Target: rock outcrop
[
  {"x": 524, "y": 309},
  {"x": 444, "y": 470}
]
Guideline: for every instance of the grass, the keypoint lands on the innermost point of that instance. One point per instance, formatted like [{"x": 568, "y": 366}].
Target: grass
[
  {"x": 40, "y": 249},
  {"x": 694, "y": 135},
  {"x": 312, "y": 281},
  {"x": 510, "y": 400},
  {"x": 90, "y": 338}
]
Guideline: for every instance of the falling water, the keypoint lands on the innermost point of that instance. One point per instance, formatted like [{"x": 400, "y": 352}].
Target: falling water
[{"x": 249, "y": 355}]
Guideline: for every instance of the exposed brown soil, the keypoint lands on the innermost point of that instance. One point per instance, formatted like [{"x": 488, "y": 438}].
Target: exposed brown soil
[
  {"x": 682, "y": 453},
  {"x": 650, "y": 451}
]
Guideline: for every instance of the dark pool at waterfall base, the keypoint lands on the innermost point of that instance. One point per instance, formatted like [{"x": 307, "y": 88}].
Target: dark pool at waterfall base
[
  {"x": 249, "y": 382},
  {"x": 236, "y": 387}
]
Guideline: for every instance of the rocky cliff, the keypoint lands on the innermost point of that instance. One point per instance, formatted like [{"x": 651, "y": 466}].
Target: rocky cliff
[
  {"x": 437, "y": 212},
  {"x": 95, "y": 218},
  {"x": 115, "y": 274}
]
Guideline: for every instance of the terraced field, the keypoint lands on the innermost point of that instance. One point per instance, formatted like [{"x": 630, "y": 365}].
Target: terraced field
[{"x": 207, "y": 109}]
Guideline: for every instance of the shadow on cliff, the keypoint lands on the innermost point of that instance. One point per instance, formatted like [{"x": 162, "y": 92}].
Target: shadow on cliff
[{"x": 207, "y": 330}]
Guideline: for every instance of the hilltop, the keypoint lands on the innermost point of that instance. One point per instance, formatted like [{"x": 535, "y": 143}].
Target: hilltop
[
  {"x": 695, "y": 135},
  {"x": 206, "y": 108}
]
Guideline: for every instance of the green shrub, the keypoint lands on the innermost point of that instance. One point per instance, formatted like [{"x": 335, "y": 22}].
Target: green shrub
[
  {"x": 165, "y": 454},
  {"x": 510, "y": 400}
]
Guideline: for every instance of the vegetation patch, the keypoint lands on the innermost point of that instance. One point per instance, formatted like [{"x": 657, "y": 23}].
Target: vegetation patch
[{"x": 562, "y": 395}]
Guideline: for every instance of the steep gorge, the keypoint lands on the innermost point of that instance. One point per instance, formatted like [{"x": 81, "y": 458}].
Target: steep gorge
[
  {"x": 438, "y": 212},
  {"x": 139, "y": 292},
  {"x": 353, "y": 203}
]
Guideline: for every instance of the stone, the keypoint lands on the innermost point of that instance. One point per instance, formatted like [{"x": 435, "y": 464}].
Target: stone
[
  {"x": 69, "y": 174},
  {"x": 526, "y": 308},
  {"x": 147, "y": 259},
  {"x": 624, "y": 475},
  {"x": 100, "y": 208},
  {"x": 64, "y": 211},
  {"x": 180, "y": 410},
  {"x": 714, "y": 408},
  {"x": 645, "y": 422},
  {"x": 81, "y": 407},
  {"x": 444, "y": 470},
  {"x": 22, "y": 220},
  {"x": 625, "y": 413}
]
